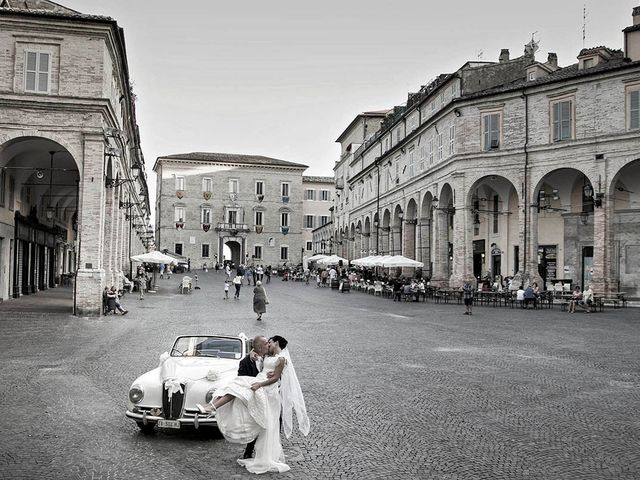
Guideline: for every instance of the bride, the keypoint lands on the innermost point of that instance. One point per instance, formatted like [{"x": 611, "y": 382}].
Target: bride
[{"x": 250, "y": 407}]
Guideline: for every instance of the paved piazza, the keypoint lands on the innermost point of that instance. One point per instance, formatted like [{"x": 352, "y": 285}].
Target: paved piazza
[{"x": 393, "y": 390}]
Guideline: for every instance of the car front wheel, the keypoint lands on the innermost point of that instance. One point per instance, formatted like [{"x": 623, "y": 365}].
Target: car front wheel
[{"x": 146, "y": 429}]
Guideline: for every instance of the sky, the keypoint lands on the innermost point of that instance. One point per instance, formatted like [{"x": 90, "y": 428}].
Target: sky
[{"x": 283, "y": 78}]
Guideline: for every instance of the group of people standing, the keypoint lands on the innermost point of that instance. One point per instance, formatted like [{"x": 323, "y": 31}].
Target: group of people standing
[
  {"x": 256, "y": 405},
  {"x": 260, "y": 299}
]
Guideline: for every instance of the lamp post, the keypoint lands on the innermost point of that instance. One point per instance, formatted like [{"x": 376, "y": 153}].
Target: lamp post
[
  {"x": 376, "y": 225},
  {"x": 50, "y": 210}
]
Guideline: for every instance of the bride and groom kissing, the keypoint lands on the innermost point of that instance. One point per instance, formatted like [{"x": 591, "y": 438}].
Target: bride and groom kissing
[{"x": 250, "y": 409}]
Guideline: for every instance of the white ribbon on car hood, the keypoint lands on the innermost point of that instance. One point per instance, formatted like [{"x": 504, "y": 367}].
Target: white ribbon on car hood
[{"x": 174, "y": 385}]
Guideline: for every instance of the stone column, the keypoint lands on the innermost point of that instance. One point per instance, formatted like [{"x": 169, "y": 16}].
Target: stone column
[
  {"x": 441, "y": 246},
  {"x": 602, "y": 279},
  {"x": 384, "y": 240},
  {"x": 462, "y": 247},
  {"x": 409, "y": 240},
  {"x": 90, "y": 278},
  {"x": 424, "y": 244}
]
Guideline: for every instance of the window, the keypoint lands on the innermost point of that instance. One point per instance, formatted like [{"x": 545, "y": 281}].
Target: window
[
  {"x": 179, "y": 214},
  {"x": 309, "y": 245},
  {"x": 37, "y": 72},
  {"x": 440, "y": 146},
  {"x": 284, "y": 219},
  {"x": 232, "y": 217},
  {"x": 588, "y": 63},
  {"x": 177, "y": 248},
  {"x": 284, "y": 252},
  {"x": 207, "y": 184},
  {"x": 205, "y": 250},
  {"x": 3, "y": 182},
  {"x": 309, "y": 194},
  {"x": 386, "y": 144},
  {"x": 397, "y": 169},
  {"x": 285, "y": 189},
  {"x": 562, "y": 120},
  {"x": 324, "y": 219},
  {"x": 206, "y": 215},
  {"x": 12, "y": 193},
  {"x": 257, "y": 251},
  {"x": 431, "y": 150},
  {"x": 258, "y": 217},
  {"x": 325, "y": 195},
  {"x": 634, "y": 108},
  {"x": 452, "y": 139},
  {"x": 423, "y": 156},
  {"x": 259, "y": 187},
  {"x": 233, "y": 185},
  {"x": 490, "y": 131},
  {"x": 308, "y": 221},
  {"x": 412, "y": 160},
  {"x": 532, "y": 76},
  {"x": 179, "y": 183}
]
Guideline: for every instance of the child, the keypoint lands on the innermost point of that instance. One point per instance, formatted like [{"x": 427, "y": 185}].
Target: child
[{"x": 226, "y": 289}]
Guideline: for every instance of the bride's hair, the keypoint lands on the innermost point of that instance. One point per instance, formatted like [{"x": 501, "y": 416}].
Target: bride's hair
[{"x": 281, "y": 340}]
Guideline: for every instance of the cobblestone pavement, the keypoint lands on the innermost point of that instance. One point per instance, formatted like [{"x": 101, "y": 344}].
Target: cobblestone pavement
[{"x": 393, "y": 390}]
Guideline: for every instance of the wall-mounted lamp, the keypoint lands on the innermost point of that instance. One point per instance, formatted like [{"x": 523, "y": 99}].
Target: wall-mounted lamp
[
  {"x": 400, "y": 215},
  {"x": 358, "y": 230},
  {"x": 457, "y": 112},
  {"x": 584, "y": 217}
]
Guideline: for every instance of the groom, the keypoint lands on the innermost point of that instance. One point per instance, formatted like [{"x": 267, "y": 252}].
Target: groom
[{"x": 250, "y": 367}]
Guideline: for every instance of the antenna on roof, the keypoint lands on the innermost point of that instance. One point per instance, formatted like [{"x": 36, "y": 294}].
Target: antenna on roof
[
  {"x": 584, "y": 25},
  {"x": 479, "y": 54}
]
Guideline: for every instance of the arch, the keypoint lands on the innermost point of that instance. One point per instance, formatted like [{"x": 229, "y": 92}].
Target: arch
[
  {"x": 8, "y": 140},
  {"x": 232, "y": 250},
  {"x": 411, "y": 212},
  {"x": 425, "y": 206}
]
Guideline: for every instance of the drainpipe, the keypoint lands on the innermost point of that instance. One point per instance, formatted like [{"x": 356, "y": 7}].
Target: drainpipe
[
  {"x": 526, "y": 182},
  {"x": 378, "y": 208}
]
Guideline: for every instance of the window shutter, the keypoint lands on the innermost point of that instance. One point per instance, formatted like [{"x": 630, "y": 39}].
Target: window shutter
[{"x": 634, "y": 111}]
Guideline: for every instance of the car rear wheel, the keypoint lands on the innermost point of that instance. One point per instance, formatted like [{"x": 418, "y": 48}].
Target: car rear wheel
[{"x": 146, "y": 429}]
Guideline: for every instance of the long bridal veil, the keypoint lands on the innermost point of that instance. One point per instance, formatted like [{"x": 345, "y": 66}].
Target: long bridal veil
[{"x": 292, "y": 399}]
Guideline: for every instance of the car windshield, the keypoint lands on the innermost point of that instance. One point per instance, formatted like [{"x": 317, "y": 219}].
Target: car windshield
[{"x": 216, "y": 347}]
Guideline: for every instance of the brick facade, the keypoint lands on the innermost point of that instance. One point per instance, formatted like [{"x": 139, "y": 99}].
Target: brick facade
[
  {"x": 76, "y": 134},
  {"x": 508, "y": 149}
]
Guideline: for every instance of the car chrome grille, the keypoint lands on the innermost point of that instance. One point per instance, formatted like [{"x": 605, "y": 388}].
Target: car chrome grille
[{"x": 172, "y": 405}]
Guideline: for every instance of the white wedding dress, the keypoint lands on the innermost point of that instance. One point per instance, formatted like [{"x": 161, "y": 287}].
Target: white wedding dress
[{"x": 254, "y": 414}]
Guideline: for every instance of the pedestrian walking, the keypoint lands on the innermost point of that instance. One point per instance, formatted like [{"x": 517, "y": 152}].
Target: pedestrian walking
[
  {"x": 260, "y": 300},
  {"x": 227, "y": 271},
  {"x": 467, "y": 293},
  {"x": 161, "y": 268},
  {"x": 318, "y": 278},
  {"x": 142, "y": 283},
  {"x": 237, "y": 282},
  {"x": 307, "y": 274},
  {"x": 268, "y": 273},
  {"x": 226, "y": 289}
]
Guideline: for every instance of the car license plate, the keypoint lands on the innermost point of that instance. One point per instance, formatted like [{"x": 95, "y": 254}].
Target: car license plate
[{"x": 168, "y": 423}]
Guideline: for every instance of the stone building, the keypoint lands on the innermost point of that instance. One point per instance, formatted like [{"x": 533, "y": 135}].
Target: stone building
[
  {"x": 73, "y": 204},
  {"x": 244, "y": 208},
  {"x": 317, "y": 206},
  {"x": 511, "y": 168}
]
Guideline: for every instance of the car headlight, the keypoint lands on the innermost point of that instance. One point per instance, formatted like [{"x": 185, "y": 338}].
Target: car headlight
[
  {"x": 209, "y": 396},
  {"x": 136, "y": 394}
]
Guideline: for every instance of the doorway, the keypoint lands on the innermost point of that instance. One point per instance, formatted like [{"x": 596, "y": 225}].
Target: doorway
[{"x": 587, "y": 265}]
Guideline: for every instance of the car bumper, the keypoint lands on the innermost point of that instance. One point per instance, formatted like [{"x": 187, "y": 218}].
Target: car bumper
[{"x": 196, "y": 420}]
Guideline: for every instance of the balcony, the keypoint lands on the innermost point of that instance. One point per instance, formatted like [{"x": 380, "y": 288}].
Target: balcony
[
  {"x": 233, "y": 228},
  {"x": 339, "y": 183}
]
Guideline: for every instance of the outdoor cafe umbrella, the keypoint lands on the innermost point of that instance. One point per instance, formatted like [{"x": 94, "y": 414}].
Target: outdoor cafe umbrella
[
  {"x": 400, "y": 261},
  {"x": 154, "y": 257},
  {"x": 317, "y": 257},
  {"x": 364, "y": 261},
  {"x": 332, "y": 260}
]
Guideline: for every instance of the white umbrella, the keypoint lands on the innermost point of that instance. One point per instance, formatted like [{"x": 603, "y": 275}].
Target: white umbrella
[
  {"x": 400, "y": 261},
  {"x": 364, "y": 261},
  {"x": 154, "y": 257},
  {"x": 317, "y": 257},
  {"x": 377, "y": 260},
  {"x": 332, "y": 260}
]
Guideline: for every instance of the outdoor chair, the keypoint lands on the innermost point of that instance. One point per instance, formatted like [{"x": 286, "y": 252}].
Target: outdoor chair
[
  {"x": 185, "y": 286},
  {"x": 377, "y": 288}
]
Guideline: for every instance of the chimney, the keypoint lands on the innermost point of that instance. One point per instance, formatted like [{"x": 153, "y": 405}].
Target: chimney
[
  {"x": 632, "y": 37},
  {"x": 504, "y": 55},
  {"x": 552, "y": 60}
]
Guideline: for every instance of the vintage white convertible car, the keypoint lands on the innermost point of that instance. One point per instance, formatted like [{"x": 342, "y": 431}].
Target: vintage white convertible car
[{"x": 187, "y": 375}]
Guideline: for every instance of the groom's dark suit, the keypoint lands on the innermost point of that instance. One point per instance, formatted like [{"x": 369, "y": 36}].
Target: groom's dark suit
[{"x": 248, "y": 368}]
